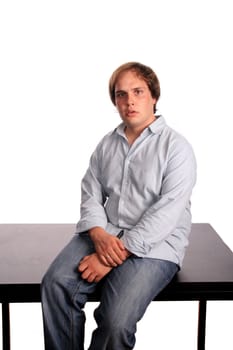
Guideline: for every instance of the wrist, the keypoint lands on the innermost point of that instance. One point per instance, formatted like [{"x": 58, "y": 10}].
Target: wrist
[{"x": 94, "y": 232}]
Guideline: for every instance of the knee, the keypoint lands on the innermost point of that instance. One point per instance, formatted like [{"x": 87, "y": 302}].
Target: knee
[
  {"x": 115, "y": 323},
  {"x": 64, "y": 286},
  {"x": 47, "y": 285},
  {"x": 52, "y": 284}
]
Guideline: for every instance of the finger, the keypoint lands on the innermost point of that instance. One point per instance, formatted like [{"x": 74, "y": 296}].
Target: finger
[
  {"x": 113, "y": 259},
  {"x": 106, "y": 260},
  {"x": 82, "y": 266},
  {"x": 97, "y": 279},
  {"x": 120, "y": 244},
  {"x": 92, "y": 277},
  {"x": 84, "y": 258},
  {"x": 86, "y": 274},
  {"x": 118, "y": 248},
  {"x": 118, "y": 256}
]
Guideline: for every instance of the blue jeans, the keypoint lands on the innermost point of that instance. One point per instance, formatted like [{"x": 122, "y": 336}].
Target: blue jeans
[{"x": 125, "y": 294}]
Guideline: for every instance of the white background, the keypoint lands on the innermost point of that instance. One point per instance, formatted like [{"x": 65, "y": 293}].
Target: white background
[{"x": 55, "y": 61}]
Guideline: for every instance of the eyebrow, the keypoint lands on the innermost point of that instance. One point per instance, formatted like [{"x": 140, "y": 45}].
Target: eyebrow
[{"x": 135, "y": 88}]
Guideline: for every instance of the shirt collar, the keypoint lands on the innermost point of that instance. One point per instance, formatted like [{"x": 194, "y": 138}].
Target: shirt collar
[{"x": 156, "y": 127}]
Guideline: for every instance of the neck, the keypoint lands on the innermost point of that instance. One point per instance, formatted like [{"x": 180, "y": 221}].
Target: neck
[{"x": 132, "y": 133}]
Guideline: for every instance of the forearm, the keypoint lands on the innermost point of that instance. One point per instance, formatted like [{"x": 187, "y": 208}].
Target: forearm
[
  {"x": 163, "y": 217},
  {"x": 157, "y": 225},
  {"x": 92, "y": 210}
]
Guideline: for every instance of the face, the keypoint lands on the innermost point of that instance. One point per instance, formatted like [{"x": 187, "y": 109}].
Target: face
[{"x": 134, "y": 101}]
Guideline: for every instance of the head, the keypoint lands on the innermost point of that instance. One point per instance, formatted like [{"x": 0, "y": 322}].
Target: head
[{"x": 143, "y": 72}]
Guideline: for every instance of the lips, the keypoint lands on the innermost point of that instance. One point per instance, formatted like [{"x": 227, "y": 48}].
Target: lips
[{"x": 131, "y": 113}]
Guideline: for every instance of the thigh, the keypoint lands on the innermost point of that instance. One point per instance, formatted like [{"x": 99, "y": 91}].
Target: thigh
[
  {"x": 68, "y": 259},
  {"x": 129, "y": 288},
  {"x": 63, "y": 271}
]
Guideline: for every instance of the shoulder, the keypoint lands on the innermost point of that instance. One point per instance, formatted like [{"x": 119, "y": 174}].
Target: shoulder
[
  {"x": 175, "y": 147},
  {"x": 108, "y": 140},
  {"x": 174, "y": 139}
]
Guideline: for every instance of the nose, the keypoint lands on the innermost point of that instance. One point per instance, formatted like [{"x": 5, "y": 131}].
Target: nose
[{"x": 130, "y": 100}]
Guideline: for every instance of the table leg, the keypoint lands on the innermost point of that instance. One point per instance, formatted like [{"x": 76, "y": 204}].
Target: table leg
[
  {"x": 5, "y": 326},
  {"x": 201, "y": 324}
]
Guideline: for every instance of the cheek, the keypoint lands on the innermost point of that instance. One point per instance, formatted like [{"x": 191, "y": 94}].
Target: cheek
[
  {"x": 120, "y": 107},
  {"x": 149, "y": 104}
]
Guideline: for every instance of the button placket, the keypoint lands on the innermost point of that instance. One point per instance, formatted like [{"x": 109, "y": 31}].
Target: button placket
[{"x": 124, "y": 188}]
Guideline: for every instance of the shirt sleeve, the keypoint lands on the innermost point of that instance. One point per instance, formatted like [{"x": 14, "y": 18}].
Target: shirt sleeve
[
  {"x": 162, "y": 217},
  {"x": 92, "y": 198}
]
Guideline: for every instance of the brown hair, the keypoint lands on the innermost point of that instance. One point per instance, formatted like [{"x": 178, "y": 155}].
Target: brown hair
[{"x": 142, "y": 71}]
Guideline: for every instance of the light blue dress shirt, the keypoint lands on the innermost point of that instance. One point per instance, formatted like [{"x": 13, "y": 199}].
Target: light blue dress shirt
[{"x": 144, "y": 189}]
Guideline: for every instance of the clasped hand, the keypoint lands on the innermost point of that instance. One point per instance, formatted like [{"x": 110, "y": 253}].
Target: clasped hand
[{"x": 110, "y": 252}]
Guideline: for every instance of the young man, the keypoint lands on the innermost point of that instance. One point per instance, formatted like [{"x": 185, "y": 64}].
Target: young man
[{"x": 134, "y": 225}]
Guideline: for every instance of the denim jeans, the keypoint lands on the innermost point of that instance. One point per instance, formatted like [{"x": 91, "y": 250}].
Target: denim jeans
[{"x": 125, "y": 294}]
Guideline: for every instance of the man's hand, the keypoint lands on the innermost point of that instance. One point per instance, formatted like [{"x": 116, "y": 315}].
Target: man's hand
[
  {"x": 110, "y": 249},
  {"x": 92, "y": 269}
]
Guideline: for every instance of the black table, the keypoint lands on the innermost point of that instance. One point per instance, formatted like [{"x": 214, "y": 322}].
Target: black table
[{"x": 26, "y": 250}]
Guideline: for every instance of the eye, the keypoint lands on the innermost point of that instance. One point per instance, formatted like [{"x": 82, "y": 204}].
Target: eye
[
  {"x": 120, "y": 94},
  {"x": 138, "y": 91}
]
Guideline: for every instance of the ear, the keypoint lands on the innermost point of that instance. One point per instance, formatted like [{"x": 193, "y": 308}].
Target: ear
[{"x": 154, "y": 102}]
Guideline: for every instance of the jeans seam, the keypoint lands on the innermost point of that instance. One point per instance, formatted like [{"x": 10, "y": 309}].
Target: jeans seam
[{"x": 71, "y": 315}]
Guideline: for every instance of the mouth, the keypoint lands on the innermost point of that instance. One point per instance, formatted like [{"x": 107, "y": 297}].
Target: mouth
[{"x": 131, "y": 113}]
